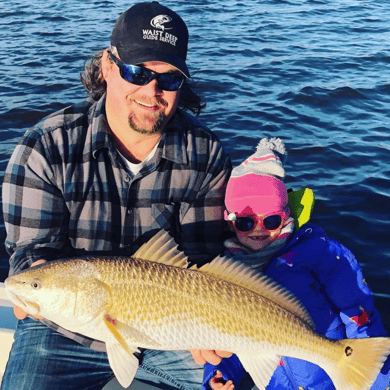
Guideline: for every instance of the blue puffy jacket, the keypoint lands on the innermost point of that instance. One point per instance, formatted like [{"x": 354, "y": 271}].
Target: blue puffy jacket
[{"x": 328, "y": 280}]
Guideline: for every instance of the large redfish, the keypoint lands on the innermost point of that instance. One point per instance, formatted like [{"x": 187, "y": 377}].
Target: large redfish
[{"x": 151, "y": 300}]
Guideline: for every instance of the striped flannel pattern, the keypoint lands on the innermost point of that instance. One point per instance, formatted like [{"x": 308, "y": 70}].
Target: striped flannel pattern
[{"x": 67, "y": 193}]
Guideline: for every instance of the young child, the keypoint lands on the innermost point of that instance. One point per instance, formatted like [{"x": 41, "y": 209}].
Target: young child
[{"x": 320, "y": 271}]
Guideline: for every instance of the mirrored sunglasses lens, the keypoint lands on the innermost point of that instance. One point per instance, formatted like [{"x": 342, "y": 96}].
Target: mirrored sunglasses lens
[
  {"x": 272, "y": 222},
  {"x": 244, "y": 224},
  {"x": 169, "y": 82},
  {"x": 135, "y": 75}
]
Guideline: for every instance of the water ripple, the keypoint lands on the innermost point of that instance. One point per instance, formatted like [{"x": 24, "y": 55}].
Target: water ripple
[{"x": 313, "y": 72}]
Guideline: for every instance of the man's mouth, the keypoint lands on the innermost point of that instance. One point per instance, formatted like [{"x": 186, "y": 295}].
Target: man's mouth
[{"x": 147, "y": 106}]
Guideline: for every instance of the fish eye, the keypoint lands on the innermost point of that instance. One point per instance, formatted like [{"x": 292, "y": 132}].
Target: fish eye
[{"x": 35, "y": 284}]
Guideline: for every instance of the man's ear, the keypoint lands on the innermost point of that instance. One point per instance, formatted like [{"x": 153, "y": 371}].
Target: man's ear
[{"x": 106, "y": 64}]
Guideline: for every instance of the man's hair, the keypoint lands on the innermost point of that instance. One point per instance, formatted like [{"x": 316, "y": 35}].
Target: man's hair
[{"x": 95, "y": 85}]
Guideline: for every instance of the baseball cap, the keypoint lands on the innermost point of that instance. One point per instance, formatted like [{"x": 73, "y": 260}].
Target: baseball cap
[{"x": 150, "y": 31}]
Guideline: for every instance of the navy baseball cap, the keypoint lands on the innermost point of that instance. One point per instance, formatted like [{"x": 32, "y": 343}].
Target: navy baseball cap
[{"x": 151, "y": 32}]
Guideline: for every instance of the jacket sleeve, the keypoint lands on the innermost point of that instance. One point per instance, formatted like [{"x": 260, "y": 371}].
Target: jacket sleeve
[
  {"x": 342, "y": 279},
  {"x": 33, "y": 207}
]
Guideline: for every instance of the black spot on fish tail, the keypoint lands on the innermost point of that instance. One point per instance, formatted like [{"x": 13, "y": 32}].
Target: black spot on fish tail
[{"x": 348, "y": 351}]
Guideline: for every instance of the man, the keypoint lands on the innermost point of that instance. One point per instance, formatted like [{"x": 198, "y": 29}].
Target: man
[{"x": 103, "y": 177}]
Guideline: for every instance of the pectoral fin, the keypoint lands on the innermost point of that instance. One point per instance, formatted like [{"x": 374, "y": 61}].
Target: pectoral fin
[
  {"x": 126, "y": 335},
  {"x": 120, "y": 353},
  {"x": 123, "y": 362},
  {"x": 260, "y": 368},
  {"x": 112, "y": 326}
]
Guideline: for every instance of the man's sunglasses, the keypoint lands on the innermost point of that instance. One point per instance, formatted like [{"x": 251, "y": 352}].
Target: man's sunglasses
[
  {"x": 141, "y": 76},
  {"x": 269, "y": 222}
]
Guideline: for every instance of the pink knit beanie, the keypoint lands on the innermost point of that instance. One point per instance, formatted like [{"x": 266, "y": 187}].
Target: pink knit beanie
[{"x": 255, "y": 186}]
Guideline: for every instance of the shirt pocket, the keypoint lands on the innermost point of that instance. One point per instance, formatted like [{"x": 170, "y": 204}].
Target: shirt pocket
[{"x": 164, "y": 216}]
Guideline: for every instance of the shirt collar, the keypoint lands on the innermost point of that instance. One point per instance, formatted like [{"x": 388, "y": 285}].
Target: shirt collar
[{"x": 173, "y": 143}]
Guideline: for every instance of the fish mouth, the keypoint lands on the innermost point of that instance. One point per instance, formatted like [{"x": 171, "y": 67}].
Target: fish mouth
[
  {"x": 16, "y": 300},
  {"x": 28, "y": 306}
]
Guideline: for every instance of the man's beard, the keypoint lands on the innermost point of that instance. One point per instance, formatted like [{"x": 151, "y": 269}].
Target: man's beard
[
  {"x": 156, "y": 128},
  {"x": 160, "y": 120}
]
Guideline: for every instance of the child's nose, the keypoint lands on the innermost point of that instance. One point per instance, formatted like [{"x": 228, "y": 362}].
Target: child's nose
[{"x": 258, "y": 227}]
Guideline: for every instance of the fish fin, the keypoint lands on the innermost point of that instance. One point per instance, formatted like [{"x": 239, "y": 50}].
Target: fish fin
[
  {"x": 360, "y": 363},
  {"x": 260, "y": 367},
  {"x": 114, "y": 331},
  {"x": 162, "y": 248},
  {"x": 126, "y": 334},
  {"x": 240, "y": 274},
  {"x": 123, "y": 363}
]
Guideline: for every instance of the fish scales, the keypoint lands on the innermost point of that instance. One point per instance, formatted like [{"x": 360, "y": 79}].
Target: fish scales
[
  {"x": 152, "y": 296},
  {"x": 152, "y": 300}
]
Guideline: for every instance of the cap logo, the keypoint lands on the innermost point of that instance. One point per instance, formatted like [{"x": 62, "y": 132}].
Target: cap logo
[
  {"x": 159, "y": 21},
  {"x": 159, "y": 34}
]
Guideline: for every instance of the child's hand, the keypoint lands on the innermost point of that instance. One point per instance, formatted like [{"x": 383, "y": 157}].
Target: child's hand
[{"x": 217, "y": 382}]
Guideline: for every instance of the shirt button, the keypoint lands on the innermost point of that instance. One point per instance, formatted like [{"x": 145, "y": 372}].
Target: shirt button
[
  {"x": 129, "y": 212},
  {"x": 127, "y": 179}
]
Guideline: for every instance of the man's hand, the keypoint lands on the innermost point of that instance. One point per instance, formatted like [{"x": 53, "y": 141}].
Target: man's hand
[
  {"x": 20, "y": 314},
  {"x": 203, "y": 356}
]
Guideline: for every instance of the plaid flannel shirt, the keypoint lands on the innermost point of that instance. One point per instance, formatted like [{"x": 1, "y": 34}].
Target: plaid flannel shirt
[{"x": 66, "y": 191}]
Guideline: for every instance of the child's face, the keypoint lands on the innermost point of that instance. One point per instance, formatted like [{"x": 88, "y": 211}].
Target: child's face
[{"x": 259, "y": 237}]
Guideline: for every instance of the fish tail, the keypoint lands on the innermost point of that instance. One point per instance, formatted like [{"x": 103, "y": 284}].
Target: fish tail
[{"x": 360, "y": 364}]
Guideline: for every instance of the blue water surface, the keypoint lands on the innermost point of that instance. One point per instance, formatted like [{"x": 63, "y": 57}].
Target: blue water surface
[{"x": 313, "y": 72}]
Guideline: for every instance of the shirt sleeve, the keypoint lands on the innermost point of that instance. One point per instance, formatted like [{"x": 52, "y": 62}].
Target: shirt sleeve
[
  {"x": 33, "y": 207},
  {"x": 342, "y": 278}
]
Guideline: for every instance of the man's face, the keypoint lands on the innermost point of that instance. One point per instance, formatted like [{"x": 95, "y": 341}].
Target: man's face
[{"x": 143, "y": 109}]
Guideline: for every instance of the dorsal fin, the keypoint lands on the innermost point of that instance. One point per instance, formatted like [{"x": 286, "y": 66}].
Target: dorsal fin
[
  {"x": 240, "y": 274},
  {"x": 162, "y": 248}
]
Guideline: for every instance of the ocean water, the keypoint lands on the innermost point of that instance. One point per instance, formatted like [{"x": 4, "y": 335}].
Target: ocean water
[{"x": 314, "y": 72}]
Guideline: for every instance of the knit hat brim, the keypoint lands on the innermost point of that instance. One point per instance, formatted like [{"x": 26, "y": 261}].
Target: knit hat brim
[{"x": 253, "y": 194}]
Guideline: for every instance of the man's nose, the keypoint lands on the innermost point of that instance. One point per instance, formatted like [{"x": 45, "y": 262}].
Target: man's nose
[{"x": 152, "y": 88}]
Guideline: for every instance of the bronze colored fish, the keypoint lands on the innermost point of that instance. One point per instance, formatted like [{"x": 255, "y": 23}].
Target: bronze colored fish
[{"x": 151, "y": 300}]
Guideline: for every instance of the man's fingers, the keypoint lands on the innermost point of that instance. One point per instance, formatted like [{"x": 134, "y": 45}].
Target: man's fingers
[
  {"x": 38, "y": 262},
  {"x": 224, "y": 354},
  {"x": 211, "y": 356},
  {"x": 20, "y": 314},
  {"x": 196, "y": 354},
  {"x": 203, "y": 356}
]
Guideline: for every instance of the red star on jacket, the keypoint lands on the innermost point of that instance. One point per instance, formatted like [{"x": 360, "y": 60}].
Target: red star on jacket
[{"x": 361, "y": 319}]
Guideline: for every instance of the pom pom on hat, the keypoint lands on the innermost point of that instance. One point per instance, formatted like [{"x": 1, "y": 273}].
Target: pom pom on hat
[
  {"x": 267, "y": 160},
  {"x": 256, "y": 186}
]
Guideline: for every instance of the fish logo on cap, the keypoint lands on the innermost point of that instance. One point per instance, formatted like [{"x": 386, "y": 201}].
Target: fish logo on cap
[{"x": 160, "y": 20}]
